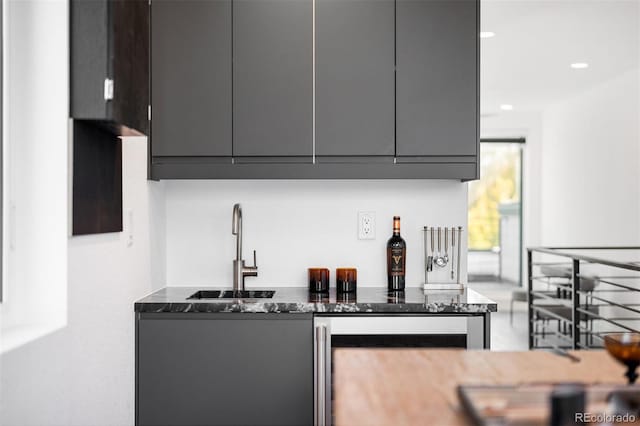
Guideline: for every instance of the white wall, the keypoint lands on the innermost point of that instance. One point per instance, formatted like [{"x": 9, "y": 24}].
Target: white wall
[
  {"x": 35, "y": 172},
  {"x": 581, "y": 166},
  {"x": 590, "y": 176},
  {"x": 527, "y": 124},
  {"x": 83, "y": 374},
  {"x": 294, "y": 225}
]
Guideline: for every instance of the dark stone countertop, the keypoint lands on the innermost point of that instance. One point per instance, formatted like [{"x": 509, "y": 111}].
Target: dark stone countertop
[{"x": 299, "y": 300}]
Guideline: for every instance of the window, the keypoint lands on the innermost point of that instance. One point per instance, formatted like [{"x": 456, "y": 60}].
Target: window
[
  {"x": 495, "y": 201},
  {"x": 498, "y": 187},
  {"x": 35, "y": 182}
]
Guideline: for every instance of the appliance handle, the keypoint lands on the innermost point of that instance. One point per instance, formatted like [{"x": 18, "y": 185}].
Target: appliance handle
[{"x": 320, "y": 403}]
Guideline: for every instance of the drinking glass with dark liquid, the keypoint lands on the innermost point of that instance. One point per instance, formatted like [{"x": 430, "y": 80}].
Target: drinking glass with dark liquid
[
  {"x": 396, "y": 258},
  {"x": 346, "y": 280},
  {"x": 318, "y": 280}
]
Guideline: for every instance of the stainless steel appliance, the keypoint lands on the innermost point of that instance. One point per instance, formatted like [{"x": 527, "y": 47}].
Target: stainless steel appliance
[{"x": 405, "y": 330}]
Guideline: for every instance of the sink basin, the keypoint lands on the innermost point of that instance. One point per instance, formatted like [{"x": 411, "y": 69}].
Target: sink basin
[
  {"x": 205, "y": 294},
  {"x": 232, "y": 294}
]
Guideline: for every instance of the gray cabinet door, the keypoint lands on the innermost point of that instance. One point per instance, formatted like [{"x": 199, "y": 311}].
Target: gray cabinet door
[
  {"x": 436, "y": 77},
  {"x": 191, "y": 78},
  {"x": 272, "y": 77},
  {"x": 355, "y": 77},
  {"x": 224, "y": 369}
]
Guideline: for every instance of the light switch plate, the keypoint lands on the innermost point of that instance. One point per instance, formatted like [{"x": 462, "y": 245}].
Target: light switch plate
[
  {"x": 366, "y": 225},
  {"x": 128, "y": 214}
]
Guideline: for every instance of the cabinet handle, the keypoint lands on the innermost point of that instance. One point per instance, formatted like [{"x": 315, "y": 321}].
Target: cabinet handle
[{"x": 320, "y": 403}]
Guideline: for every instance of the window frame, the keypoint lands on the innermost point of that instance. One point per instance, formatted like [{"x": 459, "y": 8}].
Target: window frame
[{"x": 522, "y": 142}]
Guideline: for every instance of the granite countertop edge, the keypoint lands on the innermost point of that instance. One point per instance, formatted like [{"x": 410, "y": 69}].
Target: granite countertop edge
[{"x": 299, "y": 300}]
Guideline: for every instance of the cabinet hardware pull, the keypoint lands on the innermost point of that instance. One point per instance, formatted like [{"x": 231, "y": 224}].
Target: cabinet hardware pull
[{"x": 320, "y": 405}]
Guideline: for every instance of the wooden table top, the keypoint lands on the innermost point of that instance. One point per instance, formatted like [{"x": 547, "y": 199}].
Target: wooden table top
[{"x": 418, "y": 386}]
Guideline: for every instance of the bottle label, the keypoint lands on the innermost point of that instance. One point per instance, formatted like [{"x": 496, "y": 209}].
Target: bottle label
[{"x": 397, "y": 261}]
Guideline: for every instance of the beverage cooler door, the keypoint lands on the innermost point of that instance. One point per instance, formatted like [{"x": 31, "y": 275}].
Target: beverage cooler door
[{"x": 436, "y": 331}]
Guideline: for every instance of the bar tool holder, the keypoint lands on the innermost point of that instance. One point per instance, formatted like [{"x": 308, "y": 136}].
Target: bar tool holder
[{"x": 442, "y": 265}]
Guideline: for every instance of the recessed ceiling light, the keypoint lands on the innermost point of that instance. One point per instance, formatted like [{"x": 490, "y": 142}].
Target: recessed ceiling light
[
  {"x": 487, "y": 34},
  {"x": 579, "y": 65},
  {"x": 506, "y": 107}
]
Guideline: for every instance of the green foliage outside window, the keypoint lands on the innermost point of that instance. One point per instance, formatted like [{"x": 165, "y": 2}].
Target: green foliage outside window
[{"x": 499, "y": 183}]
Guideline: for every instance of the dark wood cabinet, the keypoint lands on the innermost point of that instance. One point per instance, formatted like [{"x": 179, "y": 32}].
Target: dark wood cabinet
[
  {"x": 96, "y": 180},
  {"x": 109, "y": 97},
  {"x": 355, "y": 78},
  {"x": 222, "y": 369},
  {"x": 191, "y": 82},
  {"x": 109, "y": 63},
  {"x": 273, "y": 78},
  {"x": 437, "y": 90}
]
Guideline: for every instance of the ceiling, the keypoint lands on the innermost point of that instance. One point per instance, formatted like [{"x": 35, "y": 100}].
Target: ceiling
[{"x": 527, "y": 63}]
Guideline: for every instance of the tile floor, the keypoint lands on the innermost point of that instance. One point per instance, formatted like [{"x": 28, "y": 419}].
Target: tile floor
[{"x": 505, "y": 336}]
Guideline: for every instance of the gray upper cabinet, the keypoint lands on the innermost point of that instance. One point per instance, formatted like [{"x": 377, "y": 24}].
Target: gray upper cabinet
[
  {"x": 437, "y": 77},
  {"x": 315, "y": 89},
  {"x": 273, "y": 78},
  {"x": 355, "y": 77},
  {"x": 191, "y": 78}
]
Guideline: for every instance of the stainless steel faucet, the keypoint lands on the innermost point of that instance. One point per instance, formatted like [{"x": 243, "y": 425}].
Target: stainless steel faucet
[{"x": 239, "y": 269}]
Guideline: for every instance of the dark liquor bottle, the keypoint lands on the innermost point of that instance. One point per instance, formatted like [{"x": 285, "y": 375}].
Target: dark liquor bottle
[{"x": 396, "y": 258}]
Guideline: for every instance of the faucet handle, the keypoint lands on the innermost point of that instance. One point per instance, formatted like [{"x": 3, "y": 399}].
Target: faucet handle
[{"x": 250, "y": 271}]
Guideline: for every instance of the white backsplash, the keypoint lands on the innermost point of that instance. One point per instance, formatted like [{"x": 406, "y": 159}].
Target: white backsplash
[{"x": 294, "y": 225}]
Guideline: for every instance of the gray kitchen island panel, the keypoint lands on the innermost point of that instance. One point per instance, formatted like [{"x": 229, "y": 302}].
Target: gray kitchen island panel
[{"x": 216, "y": 369}]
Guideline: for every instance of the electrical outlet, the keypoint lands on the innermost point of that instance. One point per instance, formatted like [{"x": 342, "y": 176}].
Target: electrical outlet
[{"x": 366, "y": 225}]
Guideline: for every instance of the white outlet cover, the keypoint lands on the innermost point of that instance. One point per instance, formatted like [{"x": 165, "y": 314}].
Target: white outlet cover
[{"x": 367, "y": 225}]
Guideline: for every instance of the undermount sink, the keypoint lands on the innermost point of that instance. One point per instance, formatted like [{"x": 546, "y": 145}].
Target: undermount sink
[{"x": 232, "y": 294}]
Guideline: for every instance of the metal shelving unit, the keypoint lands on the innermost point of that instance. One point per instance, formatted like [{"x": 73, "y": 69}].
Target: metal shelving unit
[{"x": 578, "y": 294}]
